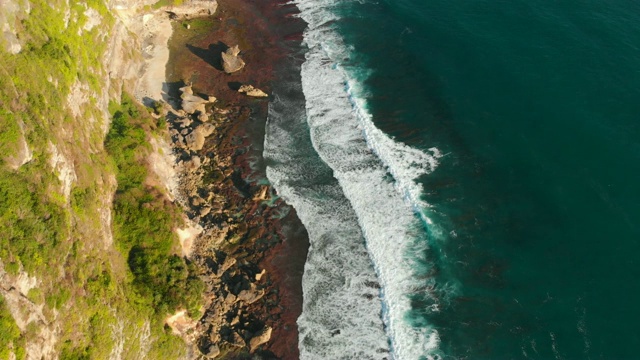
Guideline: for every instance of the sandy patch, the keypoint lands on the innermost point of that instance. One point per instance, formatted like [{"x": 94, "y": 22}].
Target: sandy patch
[
  {"x": 155, "y": 29},
  {"x": 162, "y": 161},
  {"x": 187, "y": 236},
  {"x": 180, "y": 323}
]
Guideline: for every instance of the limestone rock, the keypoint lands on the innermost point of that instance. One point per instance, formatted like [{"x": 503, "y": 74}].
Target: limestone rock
[
  {"x": 196, "y": 201},
  {"x": 206, "y": 129},
  {"x": 192, "y": 103},
  {"x": 12, "y": 44},
  {"x": 231, "y": 62},
  {"x": 193, "y": 164},
  {"x": 250, "y": 296},
  {"x": 230, "y": 299},
  {"x": 205, "y": 211},
  {"x": 252, "y": 91},
  {"x": 195, "y": 140},
  {"x": 261, "y": 274},
  {"x": 212, "y": 352},
  {"x": 226, "y": 265},
  {"x": 261, "y": 338},
  {"x": 261, "y": 194},
  {"x": 184, "y": 122},
  {"x": 237, "y": 340},
  {"x": 203, "y": 117}
]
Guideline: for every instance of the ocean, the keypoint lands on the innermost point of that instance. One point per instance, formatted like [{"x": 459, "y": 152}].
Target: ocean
[{"x": 468, "y": 173}]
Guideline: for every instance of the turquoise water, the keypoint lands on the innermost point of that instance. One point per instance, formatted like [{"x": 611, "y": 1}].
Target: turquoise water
[
  {"x": 535, "y": 205},
  {"x": 467, "y": 172}
]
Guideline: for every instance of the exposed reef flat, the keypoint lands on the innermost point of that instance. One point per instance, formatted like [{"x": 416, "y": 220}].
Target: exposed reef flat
[{"x": 253, "y": 247}]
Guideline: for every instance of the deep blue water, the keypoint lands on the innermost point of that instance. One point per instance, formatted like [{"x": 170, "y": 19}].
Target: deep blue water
[{"x": 531, "y": 219}]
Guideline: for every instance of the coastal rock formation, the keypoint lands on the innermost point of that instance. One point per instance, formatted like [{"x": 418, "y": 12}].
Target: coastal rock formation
[
  {"x": 192, "y": 103},
  {"x": 195, "y": 139},
  {"x": 238, "y": 287},
  {"x": 252, "y": 91},
  {"x": 212, "y": 352},
  {"x": 261, "y": 338},
  {"x": 231, "y": 62}
]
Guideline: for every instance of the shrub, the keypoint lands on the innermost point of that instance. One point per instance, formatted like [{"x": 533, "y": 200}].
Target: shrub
[
  {"x": 144, "y": 220},
  {"x": 9, "y": 331}
]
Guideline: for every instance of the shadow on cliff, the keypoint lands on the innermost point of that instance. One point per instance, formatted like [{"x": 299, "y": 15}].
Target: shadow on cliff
[
  {"x": 211, "y": 55},
  {"x": 171, "y": 93}
]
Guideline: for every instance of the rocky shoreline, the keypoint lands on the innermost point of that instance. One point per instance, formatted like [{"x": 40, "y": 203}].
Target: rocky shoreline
[{"x": 248, "y": 243}]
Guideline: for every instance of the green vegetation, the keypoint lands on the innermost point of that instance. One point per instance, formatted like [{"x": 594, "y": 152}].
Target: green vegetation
[
  {"x": 27, "y": 212},
  {"x": 144, "y": 219},
  {"x": 162, "y": 3},
  {"x": 9, "y": 334},
  {"x": 98, "y": 294}
]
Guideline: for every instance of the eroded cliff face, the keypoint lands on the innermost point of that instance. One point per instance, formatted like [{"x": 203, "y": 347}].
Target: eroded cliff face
[{"x": 64, "y": 281}]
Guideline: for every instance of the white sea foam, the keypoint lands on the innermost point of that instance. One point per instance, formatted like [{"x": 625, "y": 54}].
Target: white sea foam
[
  {"x": 374, "y": 198},
  {"x": 341, "y": 308},
  {"x": 386, "y": 219},
  {"x": 361, "y": 157}
]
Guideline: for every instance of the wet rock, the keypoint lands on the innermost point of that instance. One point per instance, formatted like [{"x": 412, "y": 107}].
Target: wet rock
[{"x": 231, "y": 62}]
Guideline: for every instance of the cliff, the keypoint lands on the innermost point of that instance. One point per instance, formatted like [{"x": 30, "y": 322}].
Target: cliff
[{"x": 90, "y": 259}]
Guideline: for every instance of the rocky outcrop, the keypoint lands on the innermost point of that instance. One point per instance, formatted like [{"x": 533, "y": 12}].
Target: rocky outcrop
[
  {"x": 194, "y": 104},
  {"x": 231, "y": 62},
  {"x": 195, "y": 139},
  {"x": 193, "y": 8},
  {"x": 14, "y": 290},
  {"x": 212, "y": 352},
  {"x": 228, "y": 320},
  {"x": 261, "y": 338},
  {"x": 12, "y": 13},
  {"x": 249, "y": 90}
]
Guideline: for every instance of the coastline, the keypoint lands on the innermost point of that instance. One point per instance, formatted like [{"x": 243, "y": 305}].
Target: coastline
[{"x": 252, "y": 248}]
